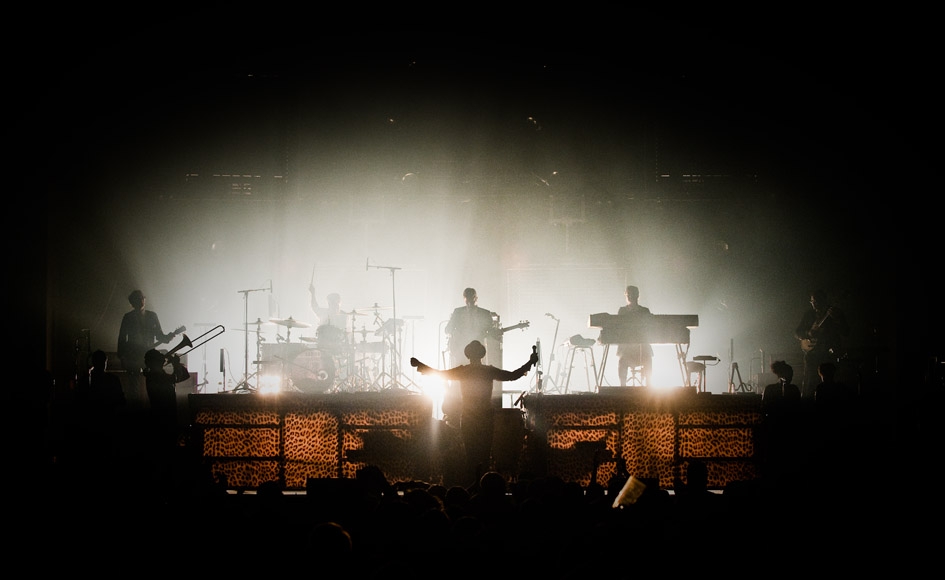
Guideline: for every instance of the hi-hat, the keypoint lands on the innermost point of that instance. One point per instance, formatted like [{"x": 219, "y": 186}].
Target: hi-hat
[
  {"x": 375, "y": 307},
  {"x": 290, "y": 322}
]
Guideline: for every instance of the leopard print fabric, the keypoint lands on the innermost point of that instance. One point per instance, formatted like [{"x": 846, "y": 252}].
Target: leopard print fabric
[
  {"x": 311, "y": 436},
  {"x": 584, "y": 438}
]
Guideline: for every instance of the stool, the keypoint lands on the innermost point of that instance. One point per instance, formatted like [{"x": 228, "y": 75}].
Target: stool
[
  {"x": 701, "y": 361},
  {"x": 635, "y": 376},
  {"x": 578, "y": 343},
  {"x": 698, "y": 369}
]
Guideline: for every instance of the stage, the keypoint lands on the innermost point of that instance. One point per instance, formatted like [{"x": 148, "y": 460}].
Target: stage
[{"x": 249, "y": 439}]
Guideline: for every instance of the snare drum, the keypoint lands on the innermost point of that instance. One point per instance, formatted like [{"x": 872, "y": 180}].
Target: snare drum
[{"x": 312, "y": 371}]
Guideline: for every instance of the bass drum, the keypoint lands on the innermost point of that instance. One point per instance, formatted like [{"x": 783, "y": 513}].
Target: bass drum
[{"x": 312, "y": 371}]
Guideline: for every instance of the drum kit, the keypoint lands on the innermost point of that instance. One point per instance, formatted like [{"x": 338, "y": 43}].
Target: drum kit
[{"x": 335, "y": 360}]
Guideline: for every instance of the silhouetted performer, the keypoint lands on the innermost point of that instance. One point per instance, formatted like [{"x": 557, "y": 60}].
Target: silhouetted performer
[
  {"x": 99, "y": 401},
  {"x": 467, "y": 323},
  {"x": 821, "y": 331},
  {"x": 634, "y": 355},
  {"x": 332, "y": 320},
  {"x": 477, "y": 421},
  {"x": 161, "y": 376},
  {"x": 100, "y": 392},
  {"x": 784, "y": 389},
  {"x": 785, "y": 437},
  {"x": 140, "y": 331}
]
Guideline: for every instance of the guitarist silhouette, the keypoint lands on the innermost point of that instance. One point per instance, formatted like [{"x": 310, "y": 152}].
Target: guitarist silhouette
[
  {"x": 468, "y": 323},
  {"x": 140, "y": 332},
  {"x": 820, "y": 331}
]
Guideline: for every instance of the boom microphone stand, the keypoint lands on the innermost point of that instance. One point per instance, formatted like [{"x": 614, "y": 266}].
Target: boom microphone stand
[
  {"x": 395, "y": 355},
  {"x": 245, "y": 294}
]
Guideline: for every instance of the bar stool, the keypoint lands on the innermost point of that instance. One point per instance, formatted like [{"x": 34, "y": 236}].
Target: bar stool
[
  {"x": 698, "y": 369},
  {"x": 585, "y": 346},
  {"x": 701, "y": 361},
  {"x": 635, "y": 376}
]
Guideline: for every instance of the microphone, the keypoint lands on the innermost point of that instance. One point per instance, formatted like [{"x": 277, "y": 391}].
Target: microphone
[
  {"x": 520, "y": 398},
  {"x": 221, "y": 360},
  {"x": 367, "y": 263}
]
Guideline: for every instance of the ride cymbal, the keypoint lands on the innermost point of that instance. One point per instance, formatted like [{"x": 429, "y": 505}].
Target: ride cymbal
[
  {"x": 290, "y": 322},
  {"x": 376, "y": 306}
]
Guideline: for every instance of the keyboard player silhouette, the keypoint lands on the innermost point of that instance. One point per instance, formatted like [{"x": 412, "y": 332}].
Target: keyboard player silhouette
[
  {"x": 635, "y": 355},
  {"x": 653, "y": 329}
]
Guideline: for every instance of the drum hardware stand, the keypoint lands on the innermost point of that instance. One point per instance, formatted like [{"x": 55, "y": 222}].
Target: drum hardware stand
[
  {"x": 244, "y": 385},
  {"x": 245, "y": 294},
  {"x": 395, "y": 373}
]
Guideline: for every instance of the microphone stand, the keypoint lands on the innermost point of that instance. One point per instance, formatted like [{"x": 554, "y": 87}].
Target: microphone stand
[
  {"x": 539, "y": 386},
  {"x": 245, "y": 294},
  {"x": 395, "y": 357}
]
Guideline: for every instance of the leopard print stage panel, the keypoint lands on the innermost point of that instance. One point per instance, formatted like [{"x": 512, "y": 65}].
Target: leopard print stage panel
[
  {"x": 648, "y": 445},
  {"x": 309, "y": 436},
  {"x": 241, "y": 442},
  {"x": 238, "y": 417},
  {"x": 653, "y": 433},
  {"x": 246, "y": 474},
  {"x": 573, "y": 453},
  {"x": 310, "y": 447},
  {"x": 724, "y": 432},
  {"x": 397, "y": 452}
]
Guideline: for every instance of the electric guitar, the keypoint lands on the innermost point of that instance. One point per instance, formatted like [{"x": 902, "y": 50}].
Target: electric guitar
[
  {"x": 132, "y": 356},
  {"x": 523, "y": 325},
  {"x": 808, "y": 344},
  {"x": 496, "y": 333}
]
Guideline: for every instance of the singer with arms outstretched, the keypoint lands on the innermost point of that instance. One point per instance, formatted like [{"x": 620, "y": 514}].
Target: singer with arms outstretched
[{"x": 477, "y": 421}]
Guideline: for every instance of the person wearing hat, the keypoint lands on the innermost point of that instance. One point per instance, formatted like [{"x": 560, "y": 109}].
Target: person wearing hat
[{"x": 477, "y": 418}]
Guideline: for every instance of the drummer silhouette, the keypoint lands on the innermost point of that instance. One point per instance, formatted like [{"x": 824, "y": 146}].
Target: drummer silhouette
[{"x": 333, "y": 322}]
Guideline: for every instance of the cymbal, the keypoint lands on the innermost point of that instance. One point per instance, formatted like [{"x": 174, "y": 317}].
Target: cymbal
[
  {"x": 376, "y": 306},
  {"x": 308, "y": 339},
  {"x": 290, "y": 322},
  {"x": 354, "y": 313}
]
